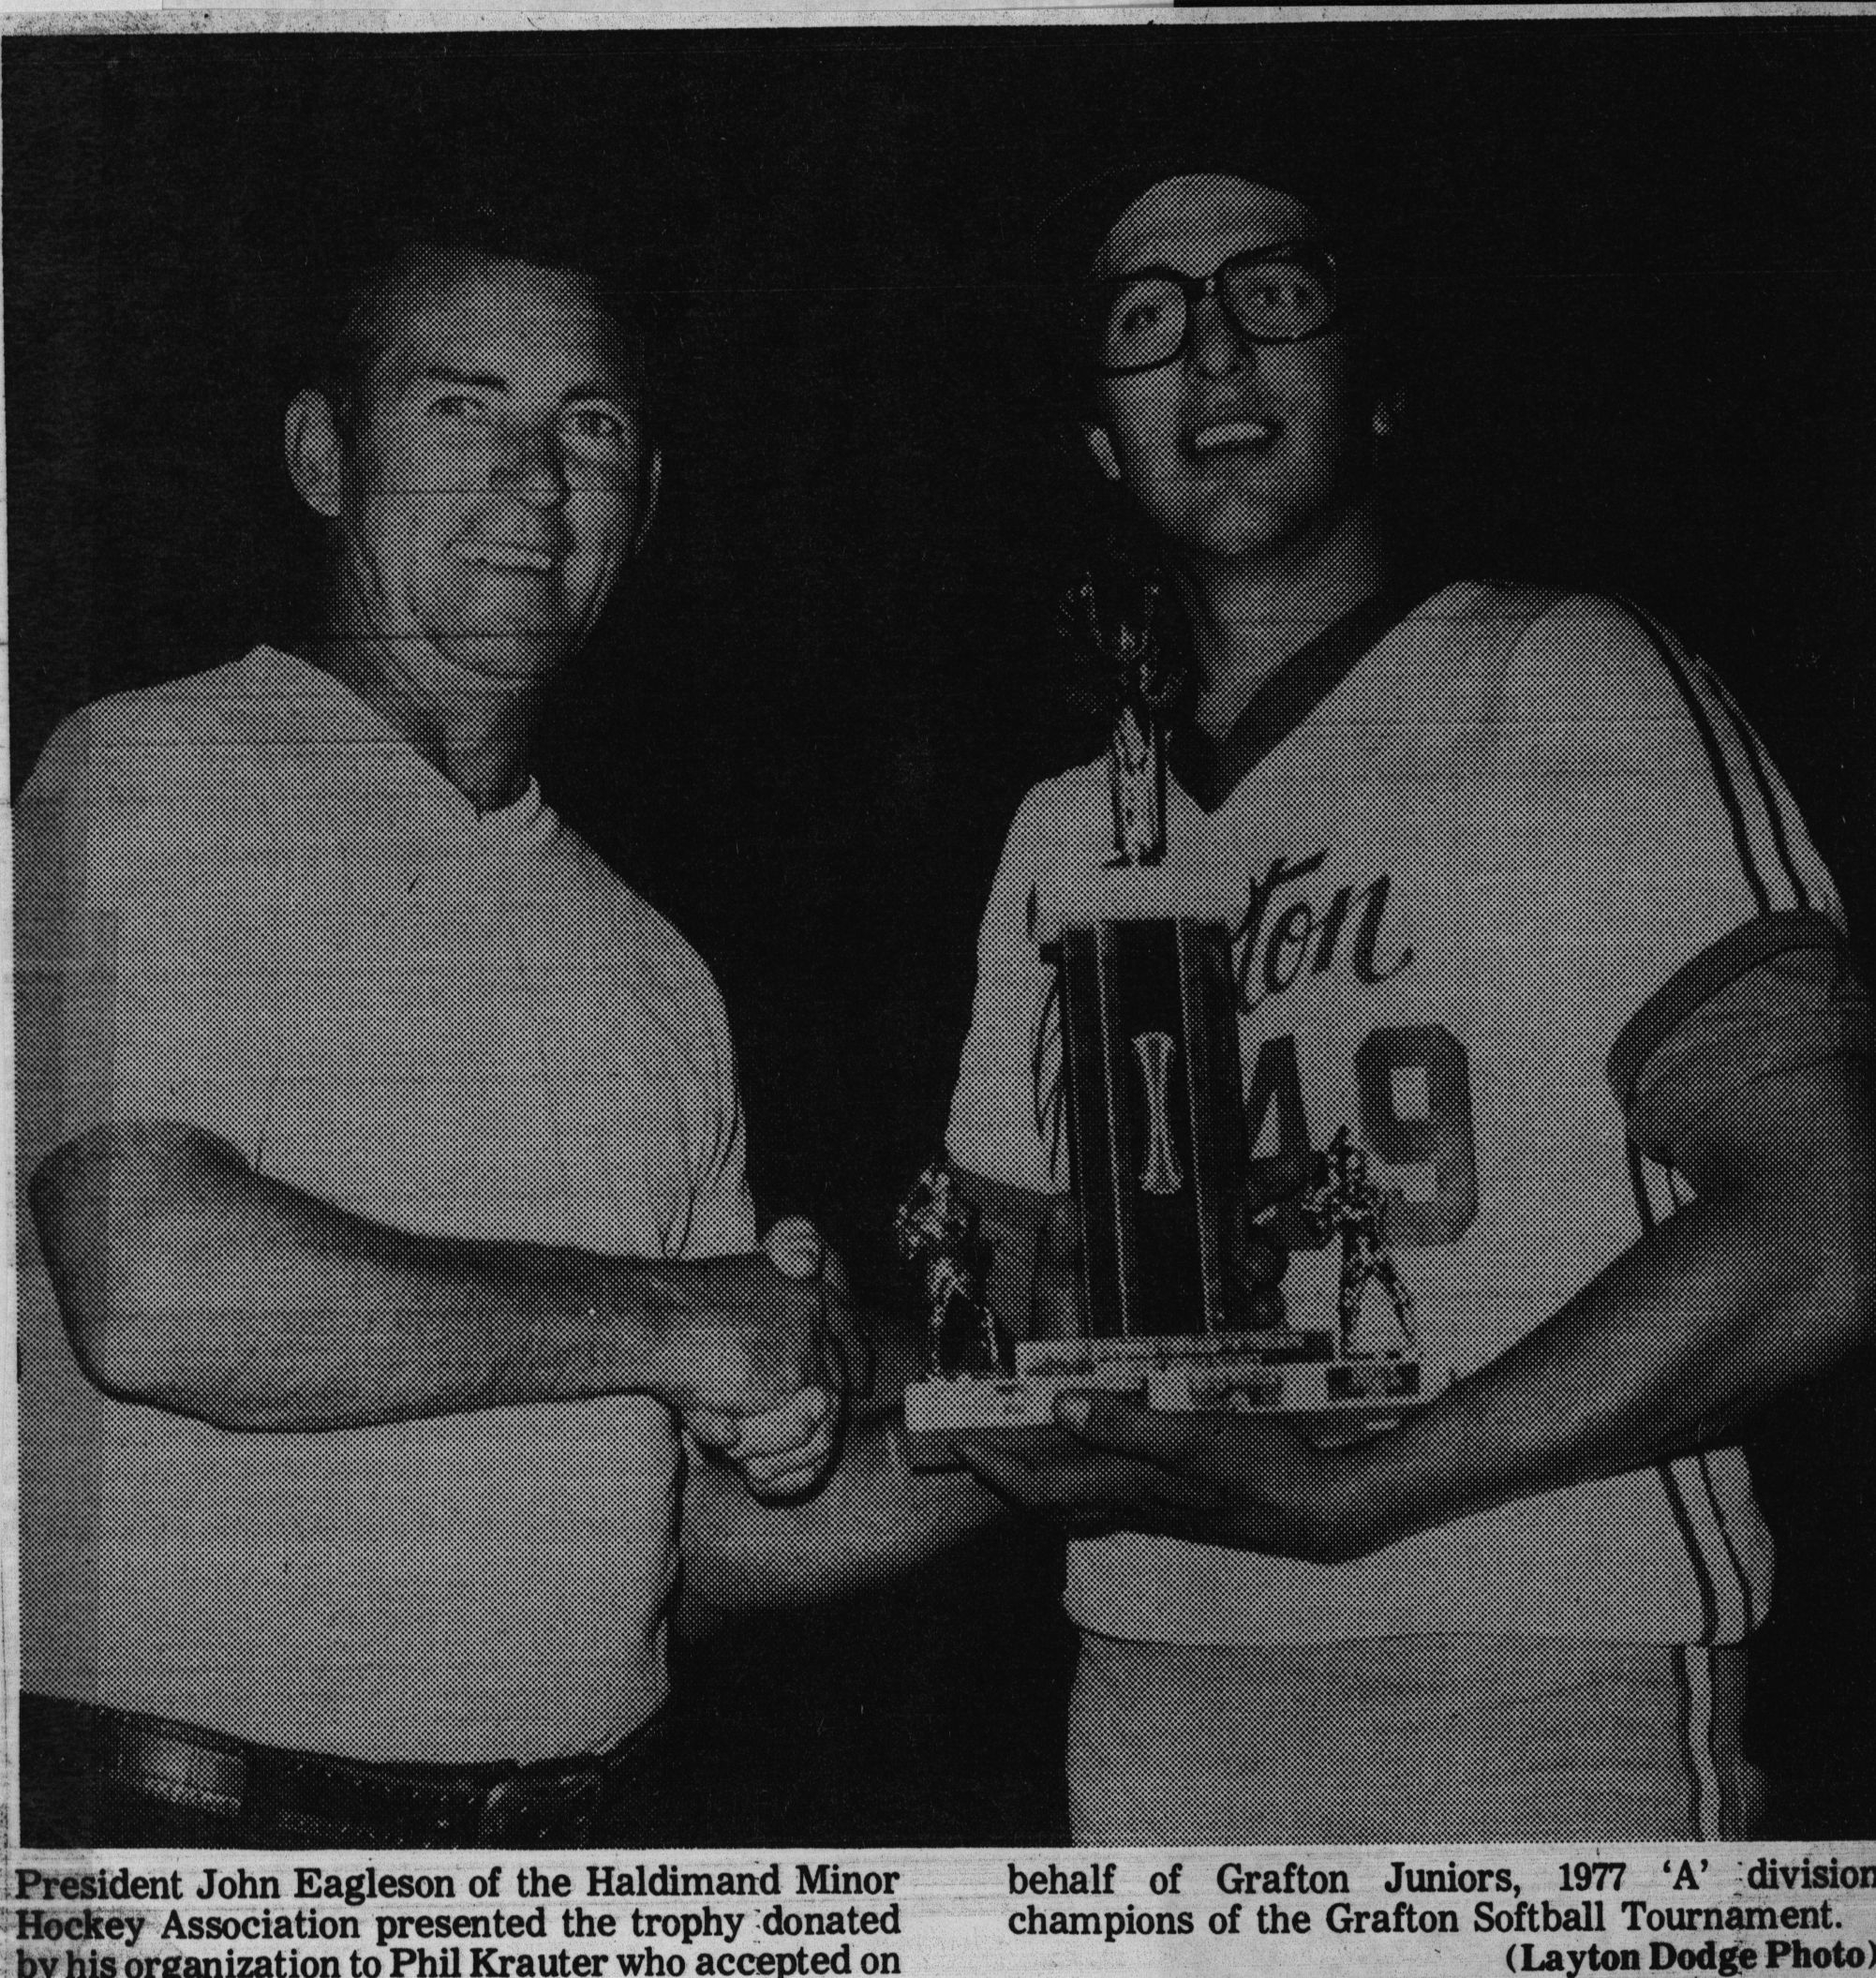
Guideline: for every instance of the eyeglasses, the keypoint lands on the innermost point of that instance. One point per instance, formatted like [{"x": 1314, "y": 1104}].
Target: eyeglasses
[{"x": 1284, "y": 293}]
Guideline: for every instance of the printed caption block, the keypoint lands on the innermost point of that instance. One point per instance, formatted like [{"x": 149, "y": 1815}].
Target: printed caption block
[{"x": 1708, "y": 1908}]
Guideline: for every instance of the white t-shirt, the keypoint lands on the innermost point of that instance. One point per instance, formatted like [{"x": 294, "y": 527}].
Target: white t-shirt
[
  {"x": 245, "y": 905},
  {"x": 1472, "y": 874}
]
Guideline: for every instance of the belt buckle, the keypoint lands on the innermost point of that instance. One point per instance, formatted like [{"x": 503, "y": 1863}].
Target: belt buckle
[{"x": 543, "y": 1807}]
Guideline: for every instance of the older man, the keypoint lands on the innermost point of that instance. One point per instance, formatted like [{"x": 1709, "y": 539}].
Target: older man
[
  {"x": 1523, "y": 905},
  {"x": 385, "y": 1156}
]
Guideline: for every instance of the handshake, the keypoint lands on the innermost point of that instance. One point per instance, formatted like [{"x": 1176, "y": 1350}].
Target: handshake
[{"x": 762, "y": 1353}]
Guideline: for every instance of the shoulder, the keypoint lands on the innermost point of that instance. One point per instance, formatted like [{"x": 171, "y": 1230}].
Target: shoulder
[
  {"x": 1585, "y": 654},
  {"x": 1595, "y": 685},
  {"x": 1538, "y": 645},
  {"x": 1483, "y": 608},
  {"x": 136, "y": 750},
  {"x": 139, "y": 813},
  {"x": 1062, "y": 827},
  {"x": 139, "y": 732},
  {"x": 1537, "y": 623},
  {"x": 1060, "y": 813}
]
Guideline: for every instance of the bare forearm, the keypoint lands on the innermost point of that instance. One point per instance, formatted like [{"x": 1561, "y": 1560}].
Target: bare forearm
[
  {"x": 873, "y": 1518},
  {"x": 1671, "y": 1347},
  {"x": 196, "y": 1284},
  {"x": 1761, "y": 1283}
]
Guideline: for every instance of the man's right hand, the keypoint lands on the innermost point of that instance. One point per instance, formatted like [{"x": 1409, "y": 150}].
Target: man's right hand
[{"x": 763, "y": 1364}]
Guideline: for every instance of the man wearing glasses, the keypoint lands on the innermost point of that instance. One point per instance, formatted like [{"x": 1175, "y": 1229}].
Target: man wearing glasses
[{"x": 1523, "y": 905}]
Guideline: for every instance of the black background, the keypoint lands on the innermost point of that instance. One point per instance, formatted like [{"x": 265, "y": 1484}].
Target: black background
[{"x": 1640, "y": 259}]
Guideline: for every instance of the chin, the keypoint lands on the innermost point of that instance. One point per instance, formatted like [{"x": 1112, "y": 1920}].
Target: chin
[
  {"x": 513, "y": 658},
  {"x": 1231, "y": 531},
  {"x": 1230, "y": 524}
]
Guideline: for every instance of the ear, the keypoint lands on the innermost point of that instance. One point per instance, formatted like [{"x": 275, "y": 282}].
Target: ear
[
  {"x": 654, "y": 480},
  {"x": 1102, "y": 446},
  {"x": 316, "y": 455}
]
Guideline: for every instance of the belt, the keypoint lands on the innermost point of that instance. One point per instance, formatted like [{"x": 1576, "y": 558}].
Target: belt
[{"x": 276, "y": 1796}]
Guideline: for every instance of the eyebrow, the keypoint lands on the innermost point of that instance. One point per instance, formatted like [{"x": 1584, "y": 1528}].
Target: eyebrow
[
  {"x": 476, "y": 380},
  {"x": 1293, "y": 246},
  {"x": 490, "y": 382}
]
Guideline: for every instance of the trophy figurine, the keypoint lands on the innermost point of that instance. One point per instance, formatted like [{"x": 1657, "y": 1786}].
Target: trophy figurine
[
  {"x": 937, "y": 1228},
  {"x": 977, "y": 1387},
  {"x": 1348, "y": 1204},
  {"x": 1121, "y": 628}
]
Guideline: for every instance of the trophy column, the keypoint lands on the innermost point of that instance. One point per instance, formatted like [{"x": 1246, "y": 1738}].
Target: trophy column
[{"x": 1155, "y": 1122}]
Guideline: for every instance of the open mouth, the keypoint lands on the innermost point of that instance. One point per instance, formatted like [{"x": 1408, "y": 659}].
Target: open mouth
[{"x": 1232, "y": 436}]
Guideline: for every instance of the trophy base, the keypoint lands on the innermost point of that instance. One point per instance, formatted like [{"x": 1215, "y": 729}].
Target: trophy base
[
  {"x": 1285, "y": 1376},
  {"x": 1015, "y": 1412},
  {"x": 1236, "y": 1378}
]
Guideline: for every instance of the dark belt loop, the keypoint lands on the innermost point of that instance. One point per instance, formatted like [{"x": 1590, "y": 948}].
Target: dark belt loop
[{"x": 261, "y": 1803}]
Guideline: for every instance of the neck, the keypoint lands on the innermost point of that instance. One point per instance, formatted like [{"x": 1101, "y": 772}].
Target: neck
[
  {"x": 477, "y": 733},
  {"x": 1249, "y": 615}
]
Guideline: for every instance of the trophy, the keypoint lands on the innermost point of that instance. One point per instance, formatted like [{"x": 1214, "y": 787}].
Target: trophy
[{"x": 1156, "y": 1135}]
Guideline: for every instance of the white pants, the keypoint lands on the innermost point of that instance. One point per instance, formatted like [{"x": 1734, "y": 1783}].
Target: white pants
[{"x": 1426, "y": 1738}]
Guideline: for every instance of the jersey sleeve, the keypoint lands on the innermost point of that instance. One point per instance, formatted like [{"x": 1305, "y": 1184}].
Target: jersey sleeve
[
  {"x": 145, "y": 916},
  {"x": 1787, "y": 1009},
  {"x": 1006, "y": 1122},
  {"x": 723, "y": 1215},
  {"x": 1645, "y": 850}
]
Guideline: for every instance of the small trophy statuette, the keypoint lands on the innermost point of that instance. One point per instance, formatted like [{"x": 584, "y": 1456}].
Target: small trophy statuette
[
  {"x": 1125, "y": 636},
  {"x": 1136, "y": 787},
  {"x": 1349, "y": 1204},
  {"x": 1010, "y": 1406},
  {"x": 938, "y": 1227}
]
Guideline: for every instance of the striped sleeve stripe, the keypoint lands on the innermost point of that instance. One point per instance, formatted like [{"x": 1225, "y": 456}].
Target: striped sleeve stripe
[
  {"x": 1689, "y": 1483},
  {"x": 1709, "y": 1816},
  {"x": 1716, "y": 759},
  {"x": 1755, "y": 759},
  {"x": 1671, "y": 1484},
  {"x": 1732, "y": 1597},
  {"x": 1654, "y": 1191},
  {"x": 1706, "y": 975},
  {"x": 1755, "y": 811},
  {"x": 1709, "y": 1600},
  {"x": 1688, "y": 1742},
  {"x": 1750, "y": 1619}
]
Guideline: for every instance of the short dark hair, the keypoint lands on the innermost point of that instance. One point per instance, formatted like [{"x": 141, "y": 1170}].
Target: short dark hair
[{"x": 401, "y": 249}]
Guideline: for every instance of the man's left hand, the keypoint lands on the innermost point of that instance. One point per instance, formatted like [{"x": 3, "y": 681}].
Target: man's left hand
[{"x": 1218, "y": 1478}]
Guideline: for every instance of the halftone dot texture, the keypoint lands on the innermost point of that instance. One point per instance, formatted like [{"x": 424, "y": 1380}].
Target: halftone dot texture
[
  {"x": 1411, "y": 1741},
  {"x": 267, "y": 917},
  {"x": 1520, "y": 866}
]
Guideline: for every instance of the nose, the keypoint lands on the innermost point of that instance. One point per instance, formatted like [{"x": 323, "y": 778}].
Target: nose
[
  {"x": 529, "y": 464},
  {"x": 1216, "y": 347}
]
